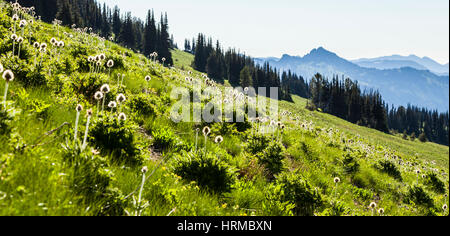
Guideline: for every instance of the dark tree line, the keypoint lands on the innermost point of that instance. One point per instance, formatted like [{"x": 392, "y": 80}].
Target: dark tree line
[
  {"x": 238, "y": 68},
  {"x": 295, "y": 84},
  {"x": 343, "y": 98},
  {"x": 417, "y": 122},
  {"x": 146, "y": 37}
]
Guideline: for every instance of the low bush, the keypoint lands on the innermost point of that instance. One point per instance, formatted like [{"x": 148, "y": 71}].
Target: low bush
[
  {"x": 390, "y": 168},
  {"x": 272, "y": 157},
  {"x": 116, "y": 137},
  {"x": 417, "y": 195},
  {"x": 164, "y": 139},
  {"x": 142, "y": 104},
  {"x": 350, "y": 164},
  {"x": 433, "y": 181},
  {"x": 298, "y": 191},
  {"x": 257, "y": 143},
  {"x": 205, "y": 169}
]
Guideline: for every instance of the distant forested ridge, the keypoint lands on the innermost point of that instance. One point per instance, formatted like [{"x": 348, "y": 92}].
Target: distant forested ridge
[{"x": 144, "y": 37}]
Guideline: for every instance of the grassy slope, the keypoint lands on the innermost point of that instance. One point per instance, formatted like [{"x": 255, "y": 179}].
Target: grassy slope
[
  {"x": 39, "y": 181},
  {"x": 428, "y": 151}
]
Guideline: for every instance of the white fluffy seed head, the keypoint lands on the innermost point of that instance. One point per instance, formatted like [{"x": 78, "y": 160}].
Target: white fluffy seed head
[
  {"x": 337, "y": 180},
  {"x": 102, "y": 57},
  {"x": 8, "y": 75},
  {"x": 98, "y": 95},
  {"x": 110, "y": 63},
  {"x": 22, "y": 23},
  {"x": 381, "y": 211},
  {"x": 112, "y": 104},
  {"x": 79, "y": 108},
  {"x": 19, "y": 40},
  {"x": 60, "y": 44},
  {"x": 206, "y": 130},
  {"x": 89, "y": 112},
  {"x": 36, "y": 45},
  {"x": 120, "y": 98},
  {"x": 13, "y": 36},
  {"x": 105, "y": 89},
  {"x": 148, "y": 78},
  {"x": 53, "y": 41},
  {"x": 122, "y": 116},
  {"x": 219, "y": 139},
  {"x": 43, "y": 45},
  {"x": 373, "y": 205},
  {"x": 144, "y": 169},
  {"x": 15, "y": 17}
]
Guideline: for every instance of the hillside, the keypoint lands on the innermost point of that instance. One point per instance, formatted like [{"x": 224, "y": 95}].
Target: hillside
[
  {"x": 400, "y": 86},
  {"x": 136, "y": 161}
]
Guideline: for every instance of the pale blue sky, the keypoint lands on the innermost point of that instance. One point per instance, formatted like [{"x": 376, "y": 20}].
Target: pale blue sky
[{"x": 351, "y": 28}]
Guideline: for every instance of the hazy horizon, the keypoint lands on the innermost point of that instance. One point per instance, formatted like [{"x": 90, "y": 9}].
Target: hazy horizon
[{"x": 352, "y": 29}]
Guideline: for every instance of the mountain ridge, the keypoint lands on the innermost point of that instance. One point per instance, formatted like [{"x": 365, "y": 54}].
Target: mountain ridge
[{"x": 398, "y": 86}]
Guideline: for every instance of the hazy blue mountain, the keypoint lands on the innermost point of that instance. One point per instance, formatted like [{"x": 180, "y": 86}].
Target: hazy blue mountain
[
  {"x": 400, "y": 86},
  {"x": 413, "y": 61},
  {"x": 390, "y": 64}
]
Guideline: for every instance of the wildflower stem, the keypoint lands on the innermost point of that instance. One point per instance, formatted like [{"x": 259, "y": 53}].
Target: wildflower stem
[
  {"x": 86, "y": 133},
  {"x": 6, "y": 93},
  {"x": 206, "y": 139},
  {"x": 103, "y": 103},
  {"x": 76, "y": 127},
  {"x": 98, "y": 107},
  {"x": 138, "y": 211},
  {"x": 196, "y": 140}
]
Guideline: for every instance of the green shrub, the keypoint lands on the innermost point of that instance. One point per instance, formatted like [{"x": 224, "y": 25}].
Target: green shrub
[
  {"x": 91, "y": 179},
  {"x": 417, "y": 195},
  {"x": 337, "y": 209},
  {"x": 164, "y": 139},
  {"x": 308, "y": 151},
  {"x": 21, "y": 70},
  {"x": 117, "y": 137},
  {"x": 298, "y": 191},
  {"x": 208, "y": 171},
  {"x": 350, "y": 164},
  {"x": 272, "y": 157},
  {"x": 362, "y": 194},
  {"x": 7, "y": 117},
  {"x": 223, "y": 128},
  {"x": 142, "y": 104},
  {"x": 257, "y": 143},
  {"x": 389, "y": 167},
  {"x": 246, "y": 195},
  {"x": 422, "y": 138},
  {"x": 432, "y": 180},
  {"x": 275, "y": 203},
  {"x": 88, "y": 84}
]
